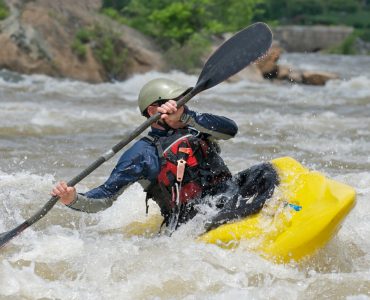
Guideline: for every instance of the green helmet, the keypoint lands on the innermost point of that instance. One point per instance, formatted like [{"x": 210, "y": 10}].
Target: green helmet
[{"x": 159, "y": 89}]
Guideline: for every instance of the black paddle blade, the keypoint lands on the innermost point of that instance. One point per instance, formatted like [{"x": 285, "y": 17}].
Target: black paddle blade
[{"x": 235, "y": 54}]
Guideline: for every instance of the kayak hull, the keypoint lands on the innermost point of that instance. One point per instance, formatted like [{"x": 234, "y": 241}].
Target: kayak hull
[{"x": 308, "y": 209}]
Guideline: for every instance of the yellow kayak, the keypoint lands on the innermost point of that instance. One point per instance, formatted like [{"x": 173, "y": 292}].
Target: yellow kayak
[{"x": 302, "y": 216}]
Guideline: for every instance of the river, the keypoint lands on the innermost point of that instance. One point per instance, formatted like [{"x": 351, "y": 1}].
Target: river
[{"x": 51, "y": 129}]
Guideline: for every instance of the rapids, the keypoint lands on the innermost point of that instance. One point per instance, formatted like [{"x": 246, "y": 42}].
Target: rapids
[{"x": 51, "y": 129}]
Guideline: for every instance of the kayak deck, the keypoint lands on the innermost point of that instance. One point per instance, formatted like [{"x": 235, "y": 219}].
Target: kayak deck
[{"x": 308, "y": 209}]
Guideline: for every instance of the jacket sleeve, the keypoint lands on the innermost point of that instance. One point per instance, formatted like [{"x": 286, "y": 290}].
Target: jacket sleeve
[
  {"x": 218, "y": 127},
  {"x": 139, "y": 162}
]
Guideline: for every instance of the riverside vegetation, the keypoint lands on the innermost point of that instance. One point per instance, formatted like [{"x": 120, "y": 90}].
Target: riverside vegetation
[
  {"x": 108, "y": 48},
  {"x": 4, "y": 10},
  {"x": 185, "y": 26},
  {"x": 105, "y": 40},
  {"x": 182, "y": 28}
]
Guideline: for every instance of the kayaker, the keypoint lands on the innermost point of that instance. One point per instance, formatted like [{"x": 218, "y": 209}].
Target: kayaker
[{"x": 178, "y": 165}]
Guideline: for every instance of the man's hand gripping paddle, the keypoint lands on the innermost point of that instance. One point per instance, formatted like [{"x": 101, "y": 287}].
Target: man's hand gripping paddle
[{"x": 232, "y": 56}]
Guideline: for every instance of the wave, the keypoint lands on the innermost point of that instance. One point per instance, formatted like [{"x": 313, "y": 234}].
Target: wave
[
  {"x": 128, "y": 89},
  {"x": 356, "y": 87},
  {"x": 19, "y": 192}
]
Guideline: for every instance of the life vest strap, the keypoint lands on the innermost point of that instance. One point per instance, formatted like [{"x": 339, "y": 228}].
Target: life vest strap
[
  {"x": 181, "y": 164},
  {"x": 190, "y": 169}
]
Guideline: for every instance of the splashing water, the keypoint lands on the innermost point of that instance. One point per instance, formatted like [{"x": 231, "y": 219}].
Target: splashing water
[{"x": 51, "y": 129}]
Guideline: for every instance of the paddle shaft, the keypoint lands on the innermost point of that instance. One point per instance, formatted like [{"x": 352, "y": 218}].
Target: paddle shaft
[
  {"x": 91, "y": 168},
  {"x": 243, "y": 48}
]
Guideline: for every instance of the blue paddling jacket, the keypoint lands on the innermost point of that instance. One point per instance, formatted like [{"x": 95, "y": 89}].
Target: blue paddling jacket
[{"x": 141, "y": 163}]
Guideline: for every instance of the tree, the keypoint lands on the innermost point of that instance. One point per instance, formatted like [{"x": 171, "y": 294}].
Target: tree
[{"x": 176, "y": 21}]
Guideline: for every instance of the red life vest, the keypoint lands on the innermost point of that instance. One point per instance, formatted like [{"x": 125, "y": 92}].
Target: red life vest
[
  {"x": 190, "y": 169},
  {"x": 182, "y": 159}
]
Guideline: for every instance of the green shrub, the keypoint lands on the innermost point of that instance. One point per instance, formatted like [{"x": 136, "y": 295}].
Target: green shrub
[
  {"x": 348, "y": 6},
  {"x": 329, "y": 12},
  {"x": 116, "y": 4},
  {"x": 348, "y": 44},
  {"x": 79, "y": 48},
  {"x": 188, "y": 57},
  {"x": 347, "y": 47},
  {"x": 110, "y": 51},
  {"x": 115, "y": 15},
  {"x": 84, "y": 35},
  {"x": 174, "y": 22},
  {"x": 364, "y": 34},
  {"x": 304, "y": 7},
  {"x": 4, "y": 10},
  {"x": 106, "y": 47}
]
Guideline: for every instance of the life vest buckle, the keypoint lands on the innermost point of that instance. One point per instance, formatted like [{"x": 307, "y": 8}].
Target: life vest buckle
[
  {"x": 185, "y": 150},
  {"x": 181, "y": 163}
]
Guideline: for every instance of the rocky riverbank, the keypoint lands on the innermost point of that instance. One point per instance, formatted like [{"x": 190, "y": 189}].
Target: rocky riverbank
[
  {"x": 38, "y": 37},
  {"x": 269, "y": 67},
  {"x": 311, "y": 38},
  {"x": 71, "y": 39}
]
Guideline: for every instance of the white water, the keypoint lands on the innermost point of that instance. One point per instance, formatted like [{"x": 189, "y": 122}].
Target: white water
[{"x": 51, "y": 129}]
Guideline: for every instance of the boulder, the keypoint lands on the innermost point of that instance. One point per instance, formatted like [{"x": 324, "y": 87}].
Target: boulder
[
  {"x": 38, "y": 37},
  {"x": 268, "y": 63},
  {"x": 250, "y": 73},
  {"x": 307, "y": 77},
  {"x": 317, "y": 77},
  {"x": 287, "y": 73},
  {"x": 295, "y": 76},
  {"x": 296, "y": 38},
  {"x": 283, "y": 72}
]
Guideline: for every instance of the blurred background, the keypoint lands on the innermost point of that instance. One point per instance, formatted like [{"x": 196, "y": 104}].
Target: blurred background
[
  {"x": 70, "y": 72},
  {"x": 98, "y": 41}
]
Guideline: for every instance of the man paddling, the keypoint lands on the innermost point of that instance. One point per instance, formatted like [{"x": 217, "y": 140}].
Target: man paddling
[{"x": 179, "y": 165}]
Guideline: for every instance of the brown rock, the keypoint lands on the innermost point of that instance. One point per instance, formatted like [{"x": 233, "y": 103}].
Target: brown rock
[
  {"x": 37, "y": 38},
  {"x": 295, "y": 77},
  {"x": 251, "y": 73},
  {"x": 268, "y": 63},
  {"x": 283, "y": 72},
  {"x": 287, "y": 73},
  {"x": 294, "y": 38},
  {"x": 317, "y": 77}
]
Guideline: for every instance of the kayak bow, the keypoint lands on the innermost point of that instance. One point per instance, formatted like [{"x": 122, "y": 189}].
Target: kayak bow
[{"x": 308, "y": 209}]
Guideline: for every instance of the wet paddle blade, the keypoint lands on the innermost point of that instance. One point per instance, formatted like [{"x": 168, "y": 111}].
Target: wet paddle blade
[{"x": 235, "y": 54}]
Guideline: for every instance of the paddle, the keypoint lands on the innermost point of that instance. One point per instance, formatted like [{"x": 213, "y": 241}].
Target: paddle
[{"x": 232, "y": 56}]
